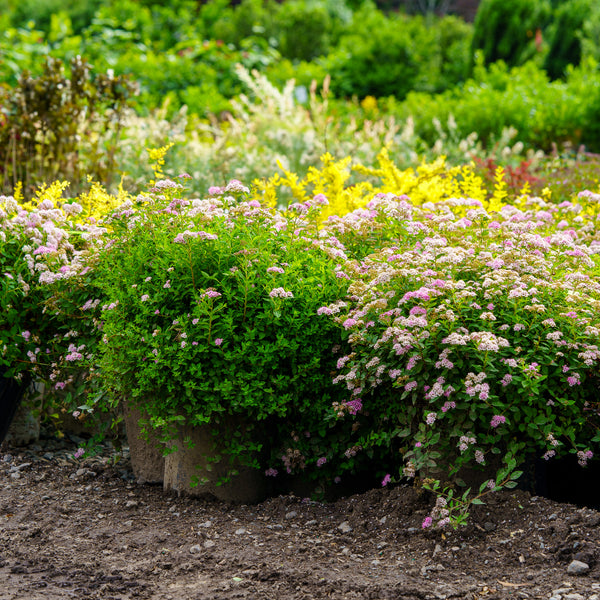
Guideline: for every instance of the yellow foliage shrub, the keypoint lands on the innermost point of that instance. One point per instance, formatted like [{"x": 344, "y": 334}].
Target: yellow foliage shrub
[{"x": 430, "y": 182}]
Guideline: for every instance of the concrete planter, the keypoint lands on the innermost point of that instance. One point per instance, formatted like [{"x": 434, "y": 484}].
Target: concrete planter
[
  {"x": 146, "y": 453},
  {"x": 187, "y": 463}
]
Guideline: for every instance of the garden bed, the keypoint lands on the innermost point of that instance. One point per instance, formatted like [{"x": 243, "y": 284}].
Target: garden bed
[{"x": 85, "y": 529}]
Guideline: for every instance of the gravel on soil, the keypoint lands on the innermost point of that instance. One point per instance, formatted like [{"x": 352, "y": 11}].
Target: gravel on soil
[{"x": 85, "y": 529}]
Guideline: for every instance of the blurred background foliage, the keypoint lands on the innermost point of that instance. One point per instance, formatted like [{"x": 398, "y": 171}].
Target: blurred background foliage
[{"x": 442, "y": 71}]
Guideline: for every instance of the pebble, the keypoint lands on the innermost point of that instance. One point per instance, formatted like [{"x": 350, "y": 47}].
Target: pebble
[
  {"x": 291, "y": 515},
  {"x": 577, "y": 567},
  {"x": 131, "y": 504},
  {"x": 240, "y": 531},
  {"x": 195, "y": 549},
  {"x": 311, "y": 523},
  {"x": 16, "y": 475},
  {"x": 209, "y": 544},
  {"x": 573, "y": 596},
  {"x": 7, "y": 458},
  {"x": 345, "y": 527},
  {"x": 206, "y": 524}
]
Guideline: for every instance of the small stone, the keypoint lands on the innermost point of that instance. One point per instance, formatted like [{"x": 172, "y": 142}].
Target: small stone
[
  {"x": 310, "y": 523},
  {"x": 131, "y": 504},
  {"x": 383, "y": 520},
  {"x": 48, "y": 455},
  {"x": 7, "y": 458},
  {"x": 240, "y": 531},
  {"x": 209, "y": 544},
  {"x": 345, "y": 527},
  {"x": 291, "y": 515},
  {"x": 594, "y": 597},
  {"x": 80, "y": 472},
  {"x": 195, "y": 549},
  {"x": 553, "y": 517},
  {"x": 561, "y": 591},
  {"x": 375, "y": 562},
  {"x": 15, "y": 475},
  {"x": 128, "y": 523},
  {"x": 206, "y": 524},
  {"x": 573, "y": 596},
  {"x": 489, "y": 526},
  {"x": 577, "y": 567}
]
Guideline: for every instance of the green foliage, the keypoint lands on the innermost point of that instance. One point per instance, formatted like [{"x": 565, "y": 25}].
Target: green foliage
[
  {"x": 303, "y": 29},
  {"x": 41, "y": 12},
  {"x": 222, "y": 320},
  {"x": 566, "y": 32},
  {"x": 544, "y": 113},
  {"x": 506, "y": 29},
  {"x": 377, "y": 65}
]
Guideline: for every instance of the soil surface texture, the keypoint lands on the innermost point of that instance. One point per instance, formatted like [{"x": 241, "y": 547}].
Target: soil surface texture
[{"x": 85, "y": 529}]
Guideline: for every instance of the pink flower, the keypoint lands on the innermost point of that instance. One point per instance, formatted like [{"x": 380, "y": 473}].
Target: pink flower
[
  {"x": 26, "y": 335},
  {"x": 145, "y": 297},
  {"x": 271, "y": 472},
  {"x": 427, "y": 522},
  {"x": 218, "y": 341},
  {"x": 497, "y": 420},
  {"x": 321, "y": 461},
  {"x": 386, "y": 479},
  {"x": 354, "y": 406}
]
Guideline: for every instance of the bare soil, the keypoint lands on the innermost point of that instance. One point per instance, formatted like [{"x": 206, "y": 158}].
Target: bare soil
[{"x": 84, "y": 529}]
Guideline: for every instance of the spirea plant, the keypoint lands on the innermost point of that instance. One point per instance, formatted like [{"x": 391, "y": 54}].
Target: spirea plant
[
  {"x": 474, "y": 339},
  {"x": 46, "y": 331},
  {"x": 211, "y": 318}
]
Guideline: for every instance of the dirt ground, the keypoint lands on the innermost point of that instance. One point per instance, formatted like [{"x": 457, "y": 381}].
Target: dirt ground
[{"x": 85, "y": 529}]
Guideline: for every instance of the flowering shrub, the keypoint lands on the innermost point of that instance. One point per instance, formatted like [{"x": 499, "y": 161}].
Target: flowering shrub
[
  {"x": 211, "y": 313},
  {"x": 472, "y": 335},
  {"x": 46, "y": 330}
]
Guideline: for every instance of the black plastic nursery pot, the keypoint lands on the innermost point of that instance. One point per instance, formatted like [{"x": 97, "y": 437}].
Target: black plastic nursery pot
[{"x": 11, "y": 394}]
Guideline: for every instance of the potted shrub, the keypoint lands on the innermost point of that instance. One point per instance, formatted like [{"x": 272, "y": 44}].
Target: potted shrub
[
  {"x": 475, "y": 340},
  {"x": 210, "y": 328},
  {"x": 44, "y": 335}
]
